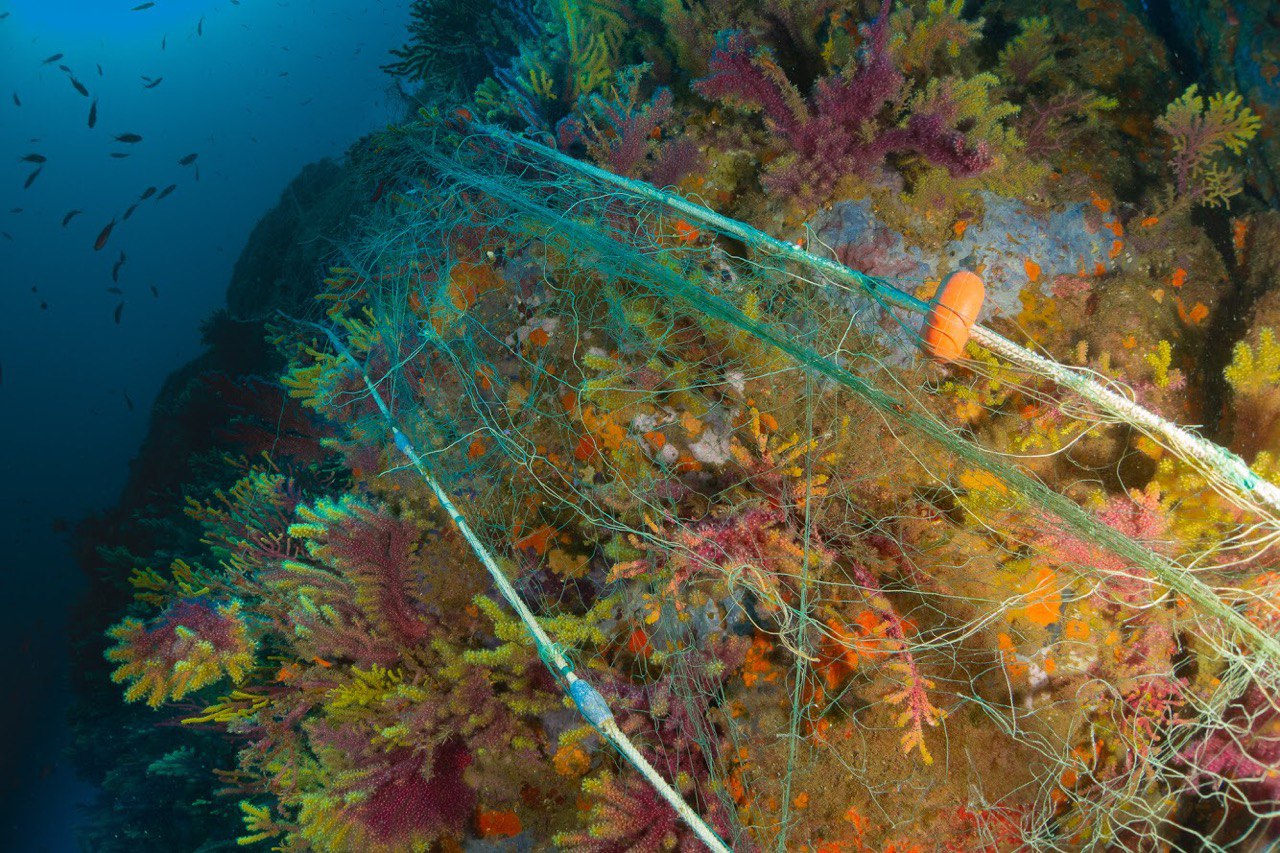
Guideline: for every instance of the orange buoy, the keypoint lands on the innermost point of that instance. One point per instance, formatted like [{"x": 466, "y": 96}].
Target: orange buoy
[{"x": 952, "y": 314}]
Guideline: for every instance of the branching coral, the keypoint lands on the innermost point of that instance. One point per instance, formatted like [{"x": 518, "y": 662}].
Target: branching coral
[
  {"x": 856, "y": 118},
  {"x": 582, "y": 46},
  {"x": 453, "y": 47},
  {"x": 1240, "y": 760},
  {"x": 1254, "y": 376},
  {"x": 669, "y": 718},
  {"x": 621, "y": 131},
  {"x": 192, "y": 643},
  {"x": 1200, "y": 132}
]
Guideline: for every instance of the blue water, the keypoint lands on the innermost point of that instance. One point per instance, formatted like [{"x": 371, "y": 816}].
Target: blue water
[{"x": 266, "y": 87}]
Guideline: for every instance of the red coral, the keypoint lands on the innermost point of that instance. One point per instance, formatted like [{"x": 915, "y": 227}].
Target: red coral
[
  {"x": 406, "y": 804},
  {"x": 618, "y": 132},
  {"x": 191, "y": 644},
  {"x": 667, "y": 721},
  {"x": 1245, "y": 752},
  {"x": 840, "y": 130},
  {"x": 262, "y": 418},
  {"x": 1138, "y": 516},
  {"x": 377, "y": 553}
]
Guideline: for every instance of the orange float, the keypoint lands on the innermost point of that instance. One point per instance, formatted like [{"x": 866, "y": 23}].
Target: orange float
[{"x": 952, "y": 315}]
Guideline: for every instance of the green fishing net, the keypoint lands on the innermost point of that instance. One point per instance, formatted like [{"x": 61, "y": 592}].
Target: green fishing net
[{"x": 842, "y": 596}]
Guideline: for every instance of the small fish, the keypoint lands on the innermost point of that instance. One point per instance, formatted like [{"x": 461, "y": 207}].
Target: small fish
[
  {"x": 17, "y": 102},
  {"x": 119, "y": 155},
  {"x": 163, "y": 39},
  {"x": 93, "y": 113},
  {"x": 197, "y": 171},
  {"x": 283, "y": 74},
  {"x": 164, "y": 192},
  {"x": 130, "y": 211},
  {"x": 15, "y": 210},
  {"x": 79, "y": 87},
  {"x": 99, "y": 68},
  {"x": 129, "y": 138},
  {"x": 3, "y": 15},
  {"x": 34, "y": 158},
  {"x": 153, "y": 83},
  {"x": 119, "y": 310},
  {"x": 188, "y": 160},
  {"x": 44, "y": 306},
  {"x": 70, "y": 216},
  {"x": 143, "y": 7},
  {"x": 7, "y": 235},
  {"x": 155, "y": 291},
  {"x": 115, "y": 291},
  {"x": 31, "y": 179},
  {"x": 115, "y": 270},
  {"x": 200, "y": 26},
  {"x": 65, "y": 68},
  {"x": 103, "y": 236},
  {"x": 128, "y": 401},
  {"x": 52, "y": 59},
  {"x": 147, "y": 193}
]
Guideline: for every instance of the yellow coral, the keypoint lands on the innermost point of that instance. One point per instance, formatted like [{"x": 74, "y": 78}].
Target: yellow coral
[
  {"x": 169, "y": 659},
  {"x": 1160, "y": 360},
  {"x": 1255, "y": 370},
  {"x": 1201, "y": 131}
]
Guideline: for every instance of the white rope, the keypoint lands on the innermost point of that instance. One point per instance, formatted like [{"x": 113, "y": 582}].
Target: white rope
[
  {"x": 588, "y": 700},
  {"x": 1247, "y": 489}
]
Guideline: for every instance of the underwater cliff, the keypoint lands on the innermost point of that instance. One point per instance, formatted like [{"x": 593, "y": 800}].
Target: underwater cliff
[{"x": 825, "y": 425}]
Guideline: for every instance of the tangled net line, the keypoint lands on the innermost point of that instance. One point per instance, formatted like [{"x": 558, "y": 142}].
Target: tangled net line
[{"x": 839, "y": 602}]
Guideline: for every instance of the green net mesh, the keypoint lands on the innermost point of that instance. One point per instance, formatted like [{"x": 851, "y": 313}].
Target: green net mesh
[{"x": 839, "y": 609}]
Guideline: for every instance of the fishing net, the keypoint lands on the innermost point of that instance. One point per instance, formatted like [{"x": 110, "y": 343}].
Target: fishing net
[{"x": 836, "y": 593}]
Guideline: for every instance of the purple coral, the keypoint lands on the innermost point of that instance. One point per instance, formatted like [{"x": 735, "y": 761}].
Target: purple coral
[
  {"x": 376, "y": 552},
  {"x": 191, "y": 644},
  {"x": 618, "y": 132},
  {"x": 410, "y": 801},
  {"x": 1245, "y": 752},
  {"x": 842, "y": 128},
  {"x": 667, "y": 720}
]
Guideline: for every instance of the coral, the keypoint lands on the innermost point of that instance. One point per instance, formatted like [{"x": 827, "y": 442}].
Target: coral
[
  {"x": 912, "y": 696},
  {"x": 398, "y": 800},
  {"x": 1240, "y": 760},
  {"x": 1200, "y": 131},
  {"x": 264, "y": 420},
  {"x": 795, "y": 586},
  {"x": 1254, "y": 375},
  {"x": 1028, "y": 57},
  {"x": 626, "y": 813},
  {"x": 377, "y": 555},
  {"x": 192, "y": 643},
  {"x": 581, "y": 48},
  {"x": 619, "y": 132},
  {"x": 452, "y": 47},
  {"x": 1051, "y": 127},
  {"x": 839, "y": 130},
  {"x": 940, "y": 30}
]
